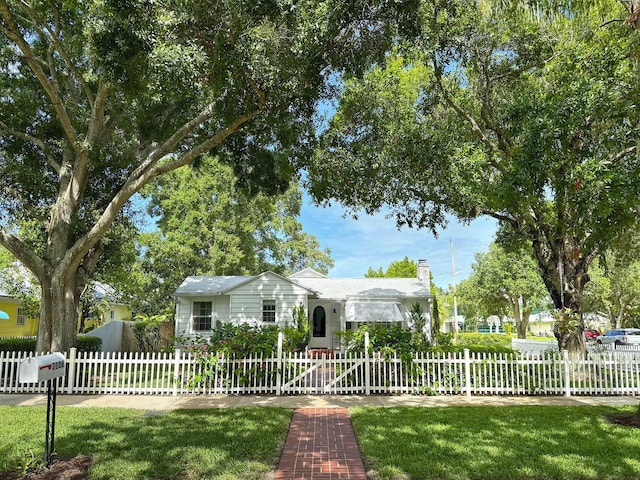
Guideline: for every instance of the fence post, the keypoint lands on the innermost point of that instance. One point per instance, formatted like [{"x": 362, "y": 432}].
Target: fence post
[
  {"x": 367, "y": 365},
  {"x": 71, "y": 379},
  {"x": 176, "y": 371},
  {"x": 567, "y": 376},
  {"x": 279, "y": 365},
  {"x": 467, "y": 372}
]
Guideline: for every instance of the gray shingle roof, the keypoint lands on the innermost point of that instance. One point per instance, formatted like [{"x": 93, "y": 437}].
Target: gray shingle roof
[
  {"x": 209, "y": 285},
  {"x": 343, "y": 288},
  {"x": 324, "y": 287}
]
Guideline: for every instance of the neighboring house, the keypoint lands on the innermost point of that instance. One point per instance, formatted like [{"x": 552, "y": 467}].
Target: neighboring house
[
  {"x": 332, "y": 304},
  {"x": 541, "y": 323},
  {"x": 13, "y": 321},
  {"x": 107, "y": 305}
]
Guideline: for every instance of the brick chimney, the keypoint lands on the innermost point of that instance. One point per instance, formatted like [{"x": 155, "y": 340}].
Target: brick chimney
[{"x": 423, "y": 273}]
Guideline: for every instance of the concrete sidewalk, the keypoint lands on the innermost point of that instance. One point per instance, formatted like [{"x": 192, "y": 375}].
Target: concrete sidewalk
[{"x": 165, "y": 403}]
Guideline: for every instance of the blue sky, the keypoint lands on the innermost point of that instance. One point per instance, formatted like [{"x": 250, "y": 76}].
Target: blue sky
[{"x": 375, "y": 241}]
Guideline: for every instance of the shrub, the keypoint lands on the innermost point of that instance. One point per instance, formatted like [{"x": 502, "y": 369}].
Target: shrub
[
  {"x": 297, "y": 335},
  {"x": 23, "y": 344},
  {"x": 488, "y": 349},
  {"x": 88, "y": 343},
  {"x": 27, "y": 344},
  {"x": 389, "y": 338},
  {"x": 489, "y": 339},
  {"x": 242, "y": 340},
  {"x": 146, "y": 328}
]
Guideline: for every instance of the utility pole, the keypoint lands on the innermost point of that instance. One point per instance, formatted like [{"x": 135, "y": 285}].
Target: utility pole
[{"x": 455, "y": 301}]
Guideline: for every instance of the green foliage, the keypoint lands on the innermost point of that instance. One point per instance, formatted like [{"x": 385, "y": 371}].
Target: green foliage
[
  {"x": 298, "y": 334},
  {"x": 208, "y": 225},
  {"x": 85, "y": 343},
  {"x": 530, "y": 122},
  {"x": 486, "y": 349},
  {"x": 614, "y": 285},
  {"x": 116, "y": 94},
  {"x": 146, "y": 328},
  {"x": 465, "y": 339},
  {"x": 236, "y": 341},
  {"x": 404, "y": 268},
  {"x": 504, "y": 282},
  {"x": 17, "y": 344}
]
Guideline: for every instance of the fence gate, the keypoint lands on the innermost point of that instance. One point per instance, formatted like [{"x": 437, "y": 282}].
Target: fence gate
[{"x": 323, "y": 375}]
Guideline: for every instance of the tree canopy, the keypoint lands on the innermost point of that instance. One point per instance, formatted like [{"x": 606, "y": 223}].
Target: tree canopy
[
  {"x": 505, "y": 283},
  {"x": 532, "y": 123},
  {"x": 208, "y": 226},
  {"x": 404, "y": 268},
  {"x": 98, "y": 98}
]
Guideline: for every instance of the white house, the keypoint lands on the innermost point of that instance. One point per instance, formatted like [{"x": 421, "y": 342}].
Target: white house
[{"x": 332, "y": 304}]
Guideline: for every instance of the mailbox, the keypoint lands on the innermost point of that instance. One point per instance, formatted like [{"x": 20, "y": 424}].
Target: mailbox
[{"x": 42, "y": 368}]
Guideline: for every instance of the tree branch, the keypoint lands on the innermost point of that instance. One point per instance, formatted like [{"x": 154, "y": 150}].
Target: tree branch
[
  {"x": 30, "y": 138},
  {"x": 96, "y": 122},
  {"x": 13, "y": 32},
  {"x": 623, "y": 153},
  {"x": 22, "y": 252},
  {"x": 475, "y": 127},
  {"x": 150, "y": 170}
]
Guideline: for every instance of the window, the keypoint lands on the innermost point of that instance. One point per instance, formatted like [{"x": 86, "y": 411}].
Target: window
[
  {"x": 202, "y": 315},
  {"x": 269, "y": 311},
  {"x": 20, "y": 316}
]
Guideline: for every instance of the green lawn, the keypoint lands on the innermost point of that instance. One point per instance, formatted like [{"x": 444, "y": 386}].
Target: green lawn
[
  {"x": 242, "y": 443},
  {"x": 520, "y": 443}
]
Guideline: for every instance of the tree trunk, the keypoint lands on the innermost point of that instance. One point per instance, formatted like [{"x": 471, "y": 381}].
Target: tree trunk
[
  {"x": 62, "y": 282},
  {"x": 523, "y": 324},
  {"x": 564, "y": 267},
  {"x": 59, "y": 316}
]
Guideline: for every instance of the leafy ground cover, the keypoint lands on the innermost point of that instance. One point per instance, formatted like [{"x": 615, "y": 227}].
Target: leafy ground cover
[
  {"x": 518, "y": 443},
  {"x": 219, "y": 444}
]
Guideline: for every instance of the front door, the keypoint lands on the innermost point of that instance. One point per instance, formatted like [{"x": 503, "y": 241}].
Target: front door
[{"x": 319, "y": 333}]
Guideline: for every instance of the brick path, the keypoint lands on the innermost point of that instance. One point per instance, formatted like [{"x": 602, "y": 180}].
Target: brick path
[{"x": 321, "y": 445}]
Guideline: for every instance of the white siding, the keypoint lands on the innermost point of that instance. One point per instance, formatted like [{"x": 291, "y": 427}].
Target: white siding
[
  {"x": 184, "y": 311},
  {"x": 246, "y": 300}
]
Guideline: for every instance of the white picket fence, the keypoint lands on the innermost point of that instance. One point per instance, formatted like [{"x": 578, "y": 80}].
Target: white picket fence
[{"x": 608, "y": 372}]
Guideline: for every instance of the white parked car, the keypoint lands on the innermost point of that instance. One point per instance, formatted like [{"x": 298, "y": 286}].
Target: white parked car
[{"x": 620, "y": 336}]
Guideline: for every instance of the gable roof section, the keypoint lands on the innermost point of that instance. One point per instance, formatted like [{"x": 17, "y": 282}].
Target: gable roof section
[
  {"x": 307, "y": 273},
  {"x": 224, "y": 285}
]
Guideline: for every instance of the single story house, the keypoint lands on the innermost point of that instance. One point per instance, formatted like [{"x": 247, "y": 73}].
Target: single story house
[{"x": 332, "y": 304}]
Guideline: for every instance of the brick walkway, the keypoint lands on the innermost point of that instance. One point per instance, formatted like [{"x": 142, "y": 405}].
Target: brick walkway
[{"x": 321, "y": 445}]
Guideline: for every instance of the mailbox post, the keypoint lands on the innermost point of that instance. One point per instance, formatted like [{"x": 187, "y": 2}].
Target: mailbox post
[{"x": 45, "y": 368}]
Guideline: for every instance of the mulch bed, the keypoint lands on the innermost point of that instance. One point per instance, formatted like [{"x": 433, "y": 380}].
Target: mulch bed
[
  {"x": 624, "y": 419},
  {"x": 76, "y": 468}
]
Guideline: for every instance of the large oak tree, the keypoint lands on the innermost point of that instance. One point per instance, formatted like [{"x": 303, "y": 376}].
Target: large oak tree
[
  {"x": 532, "y": 123},
  {"x": 98, "y": 98}
]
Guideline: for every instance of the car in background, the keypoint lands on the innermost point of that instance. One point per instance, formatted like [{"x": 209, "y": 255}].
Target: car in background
[
  {"x": 620, "y": 336},
  {"x": 591, "y": 334}
]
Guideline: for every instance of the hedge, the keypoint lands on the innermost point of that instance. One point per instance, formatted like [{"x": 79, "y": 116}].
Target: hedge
[
  {"x": 85, "y": 343},
  {"x": 489, "y": 339}
]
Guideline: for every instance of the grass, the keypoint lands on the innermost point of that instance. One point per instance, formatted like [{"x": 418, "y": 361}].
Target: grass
[
  {"x": 224, "y": 444},
  {"x": 518, "y": 443},
  {"x": 453, "y": 443}
]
